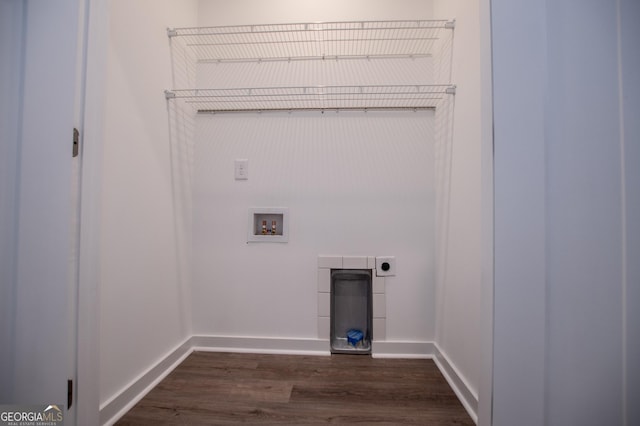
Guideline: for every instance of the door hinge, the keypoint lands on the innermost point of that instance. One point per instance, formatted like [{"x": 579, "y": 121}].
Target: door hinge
[
  {"x": 76, "y": 141},
  {"x": 69, "y": 393}
]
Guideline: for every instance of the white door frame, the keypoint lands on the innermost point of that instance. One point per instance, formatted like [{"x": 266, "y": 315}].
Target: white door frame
[{"x": 88, "y": 365}]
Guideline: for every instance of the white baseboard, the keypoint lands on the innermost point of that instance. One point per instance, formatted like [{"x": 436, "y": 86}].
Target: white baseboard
[
  {"x": 401, "y": 349},
  {"x": 122, "y": 402},
  {"x": 398, "y": 349},
  {"x": 458, "y": 383},
  {"x": 262, "y": 345},
  {"x": 118, "y": 405}
]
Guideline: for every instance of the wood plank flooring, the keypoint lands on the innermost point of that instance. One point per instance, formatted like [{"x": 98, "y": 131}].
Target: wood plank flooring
[{"x": 211, "y": 388}]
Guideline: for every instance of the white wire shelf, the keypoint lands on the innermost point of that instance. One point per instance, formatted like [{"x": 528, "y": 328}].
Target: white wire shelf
[
  {"x": 412, "y": 97},
  {"x": 313, "y": 41}
]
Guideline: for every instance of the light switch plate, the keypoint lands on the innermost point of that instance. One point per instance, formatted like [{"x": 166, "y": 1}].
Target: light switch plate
[{"x": 242, "y": 169}]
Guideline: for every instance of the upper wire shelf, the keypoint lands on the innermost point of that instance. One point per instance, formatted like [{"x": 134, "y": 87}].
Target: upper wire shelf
[
  {"x": 390, "y": 97},
  {"x": 313, "y": 41}
]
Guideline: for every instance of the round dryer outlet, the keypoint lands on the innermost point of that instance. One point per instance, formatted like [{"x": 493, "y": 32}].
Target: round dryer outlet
[{"x": 385, "y": 266}]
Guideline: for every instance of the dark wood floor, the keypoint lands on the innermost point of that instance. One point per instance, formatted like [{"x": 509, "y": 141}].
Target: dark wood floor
[{"x": 223, "y": 388}]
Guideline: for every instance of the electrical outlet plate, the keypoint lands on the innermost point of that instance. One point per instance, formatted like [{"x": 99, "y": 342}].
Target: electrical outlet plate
[{"x": 242, "y": 169}]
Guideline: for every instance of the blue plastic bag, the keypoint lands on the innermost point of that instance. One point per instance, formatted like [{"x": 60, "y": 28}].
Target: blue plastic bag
[{"x": 354, "y": 336}]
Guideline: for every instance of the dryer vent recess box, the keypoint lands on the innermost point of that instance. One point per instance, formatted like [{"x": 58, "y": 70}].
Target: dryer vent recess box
[{"x": 385, "y": 266}]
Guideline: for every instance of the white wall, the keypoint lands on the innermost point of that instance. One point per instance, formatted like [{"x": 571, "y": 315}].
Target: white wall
[
  {"x": 219, "y": 12},
  {"x": 355, "y": 183},
  {"x": 459, "y": 247},
  {"x": 563, "y": 198},
  {"x": 144, "y": 297}
]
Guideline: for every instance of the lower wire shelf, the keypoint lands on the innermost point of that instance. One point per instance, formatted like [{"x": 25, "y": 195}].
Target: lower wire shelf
[{"x": 411, "y": 97}]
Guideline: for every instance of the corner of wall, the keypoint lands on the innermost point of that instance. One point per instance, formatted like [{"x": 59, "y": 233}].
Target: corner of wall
[{"x": 116, "y": 406}]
